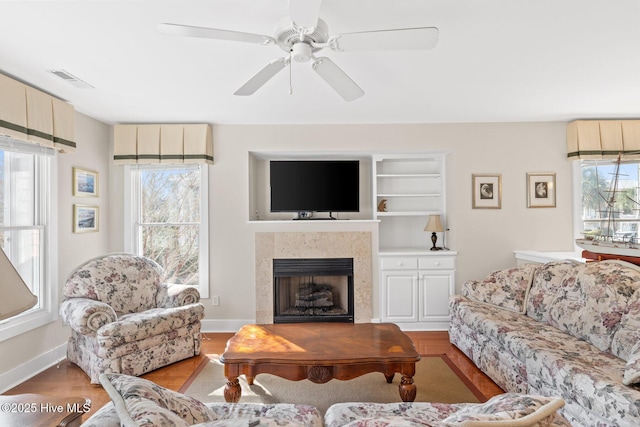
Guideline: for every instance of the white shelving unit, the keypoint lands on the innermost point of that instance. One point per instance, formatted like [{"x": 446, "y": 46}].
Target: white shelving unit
[
  {"x": 415, "y": 283},
  {"x": 413, "y": 188}
]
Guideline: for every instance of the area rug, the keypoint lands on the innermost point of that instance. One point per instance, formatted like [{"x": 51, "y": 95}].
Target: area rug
[{"x": 437, "y": 380}]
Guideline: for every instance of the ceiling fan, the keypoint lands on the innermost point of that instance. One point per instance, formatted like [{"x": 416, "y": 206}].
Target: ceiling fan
[{"x": 302, "y": 34}]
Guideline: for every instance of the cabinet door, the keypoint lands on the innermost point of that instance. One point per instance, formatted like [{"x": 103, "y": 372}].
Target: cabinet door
[
  {"x": 400, "y": 296},
  {"x": 435, "y": 289}
]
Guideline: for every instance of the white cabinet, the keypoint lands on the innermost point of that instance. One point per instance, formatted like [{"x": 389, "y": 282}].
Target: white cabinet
[{"x": 416, "y": 289}]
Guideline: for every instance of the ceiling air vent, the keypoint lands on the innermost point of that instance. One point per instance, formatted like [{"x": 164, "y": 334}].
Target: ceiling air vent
[{"x": 71, "y": 79}]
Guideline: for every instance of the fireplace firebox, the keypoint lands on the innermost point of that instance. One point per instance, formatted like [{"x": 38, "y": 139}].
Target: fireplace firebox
[{"x": 313, "y": 290}]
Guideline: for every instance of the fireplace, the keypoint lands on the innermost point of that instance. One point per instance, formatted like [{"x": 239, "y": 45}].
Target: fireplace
[{"x": 313, "y": 290}]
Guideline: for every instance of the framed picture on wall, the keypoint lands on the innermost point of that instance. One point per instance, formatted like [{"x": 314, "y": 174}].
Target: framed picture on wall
[
  {"x": 85, "y": 218},
  {"x": 85, "y": 182},
  {"x": 541, "y": 190},
  {"x": 486, "y": 191}
]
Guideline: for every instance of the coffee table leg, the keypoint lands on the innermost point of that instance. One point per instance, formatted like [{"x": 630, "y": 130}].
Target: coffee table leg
[
  {"x": 408, "y": 389},
  {"x": 389, "y": 378},
  {"x": 232, "y": 390}
]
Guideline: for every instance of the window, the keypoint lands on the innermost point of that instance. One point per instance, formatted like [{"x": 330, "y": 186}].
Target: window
[
  {"x": 169, "y": 220},
  {"x": 27, "y": 235},
  {"x": 598, "y": 179}
]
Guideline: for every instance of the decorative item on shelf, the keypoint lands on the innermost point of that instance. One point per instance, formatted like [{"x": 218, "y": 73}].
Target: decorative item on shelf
[
  {"x": 382, "y": 206},
  {"x": 434, "y": 224},
  {"x": 15, "y": 295}
]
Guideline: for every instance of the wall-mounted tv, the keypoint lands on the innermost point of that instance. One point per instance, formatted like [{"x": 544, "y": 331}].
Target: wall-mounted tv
[{"x": 315, "y": 185}]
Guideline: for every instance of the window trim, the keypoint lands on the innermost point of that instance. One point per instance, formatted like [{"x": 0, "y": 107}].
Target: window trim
[
  {"x": 48, "y": 213},
  {"x": 131, "y": 215}
]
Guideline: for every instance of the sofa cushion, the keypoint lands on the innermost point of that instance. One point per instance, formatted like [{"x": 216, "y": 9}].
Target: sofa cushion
[
  {"x": 155, "y": 321},
  {"x": 259, "y": 414},
  {"x": 628, "y": 333},
  {"x": 588, "y": 377},
  {"x": 365, "y": 413},
  {"x": 509, "y": 409},
  {"x": 545, "y": 285},
  {"x": 590, "y": 304},
  {"x": 632, "y": 368},
  {"x": 503, "y": 288},
  {"x": 140, "y": 402}
]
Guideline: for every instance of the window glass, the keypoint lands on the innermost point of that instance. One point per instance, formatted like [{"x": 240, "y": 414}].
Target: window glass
[
  {"x": 23, "y": 214},
  {"x": 170, "y": 221},
  {"x": 604, "y": 184}
]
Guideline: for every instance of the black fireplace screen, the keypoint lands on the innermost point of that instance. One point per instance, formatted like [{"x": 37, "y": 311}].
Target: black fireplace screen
[{"x": 313, "y": 290}]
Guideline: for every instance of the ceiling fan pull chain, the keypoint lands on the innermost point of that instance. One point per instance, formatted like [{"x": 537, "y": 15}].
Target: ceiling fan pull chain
[{"x": 290, "y": 75}]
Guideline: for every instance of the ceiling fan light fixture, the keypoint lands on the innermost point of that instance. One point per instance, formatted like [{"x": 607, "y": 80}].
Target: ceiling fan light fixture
[{"x": 301, "y": 52}]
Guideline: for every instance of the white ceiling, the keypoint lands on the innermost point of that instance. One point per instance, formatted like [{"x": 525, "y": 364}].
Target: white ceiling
[{"x": 495, "y": 61}]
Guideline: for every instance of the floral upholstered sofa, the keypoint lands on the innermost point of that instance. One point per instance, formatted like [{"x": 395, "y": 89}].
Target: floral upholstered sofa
[
  {"x": 123, "y": 319},
  {"x": 558, "y": 329},
  {"x": 139, "y": 402}
]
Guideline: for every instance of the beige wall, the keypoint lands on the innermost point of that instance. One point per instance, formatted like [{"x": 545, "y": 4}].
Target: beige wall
[
  {"x": 485, "y": 239},
  {"x": 92, "y": 137}
]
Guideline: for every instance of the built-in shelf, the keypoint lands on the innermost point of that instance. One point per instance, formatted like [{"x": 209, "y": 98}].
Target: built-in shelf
[
  {"x": 408, "y": 175},
  {"x": 315, "y": 221},
  {"x": 406, "y": 213}
]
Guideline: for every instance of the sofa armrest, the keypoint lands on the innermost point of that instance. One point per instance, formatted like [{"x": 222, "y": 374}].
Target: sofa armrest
[
  {"x": 85, "y": 315},
  {"x": 175, "y": 295}
]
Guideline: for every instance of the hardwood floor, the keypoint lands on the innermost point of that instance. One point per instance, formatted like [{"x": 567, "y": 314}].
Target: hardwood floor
[{"x": 69, "y": 380}]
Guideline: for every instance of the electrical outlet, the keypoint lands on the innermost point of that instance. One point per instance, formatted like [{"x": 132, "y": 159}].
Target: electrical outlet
[{"x": 215, "y": 300}]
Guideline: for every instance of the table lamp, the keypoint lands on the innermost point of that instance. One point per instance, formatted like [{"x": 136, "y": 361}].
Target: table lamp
[
  {"x": 434, "y": 224},
  {"x": 15, "y": 296}
]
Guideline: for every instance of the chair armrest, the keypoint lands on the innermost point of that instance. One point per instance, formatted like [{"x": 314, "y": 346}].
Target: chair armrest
[
  {"x": 174, "y": 295},
  {"x": 86, "y": 316}
]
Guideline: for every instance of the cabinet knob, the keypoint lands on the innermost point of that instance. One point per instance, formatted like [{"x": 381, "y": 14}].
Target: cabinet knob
[
  {"x": 400, "y": 263},
  {"x": 436, "y": 263}
]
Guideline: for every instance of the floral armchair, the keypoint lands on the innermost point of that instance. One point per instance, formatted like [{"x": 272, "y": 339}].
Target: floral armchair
[{"x": 124, "y": 320}]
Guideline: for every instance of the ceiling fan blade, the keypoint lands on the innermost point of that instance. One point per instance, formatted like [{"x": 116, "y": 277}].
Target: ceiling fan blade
[
  {"x": 213, "y": 33},
  {"x": 399, "y": 39},
  {"x": 337, "y": 79},
  {"x": 304, "y": 13},
  {"x": 263, "y": 76}
]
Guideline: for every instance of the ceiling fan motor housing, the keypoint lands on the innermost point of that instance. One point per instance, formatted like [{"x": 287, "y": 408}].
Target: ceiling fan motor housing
[{"x": 287, "y": 37}]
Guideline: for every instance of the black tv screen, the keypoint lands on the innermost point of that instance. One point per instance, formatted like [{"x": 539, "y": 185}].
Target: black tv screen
[{"x": 315, "y": 185}]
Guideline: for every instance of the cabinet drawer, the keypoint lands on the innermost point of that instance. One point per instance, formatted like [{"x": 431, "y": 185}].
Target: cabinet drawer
[
  {"x": 430, "y": 263},
  {"x": 399, "y": 263}
]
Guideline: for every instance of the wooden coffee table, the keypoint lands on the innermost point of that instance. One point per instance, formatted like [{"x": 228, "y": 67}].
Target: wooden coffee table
[{"x": 319, "y": 352}]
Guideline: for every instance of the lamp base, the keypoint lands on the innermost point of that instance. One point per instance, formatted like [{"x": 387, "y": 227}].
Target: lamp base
[{"x": 434, "y": 239}]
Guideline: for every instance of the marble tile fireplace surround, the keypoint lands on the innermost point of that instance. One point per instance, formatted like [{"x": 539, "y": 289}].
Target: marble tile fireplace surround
[{"x": 347, "y": 244}]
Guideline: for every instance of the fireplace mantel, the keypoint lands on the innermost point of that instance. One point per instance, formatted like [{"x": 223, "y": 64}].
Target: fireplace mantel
[{"x": 321, "y": 244}]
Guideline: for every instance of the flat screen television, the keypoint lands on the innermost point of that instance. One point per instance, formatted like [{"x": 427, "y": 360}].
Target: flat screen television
[{"x": 315, "y": 185}]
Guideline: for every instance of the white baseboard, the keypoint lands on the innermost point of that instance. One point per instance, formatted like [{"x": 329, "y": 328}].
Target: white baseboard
[
  {"x": 20, "y": 374},
  {"x": 225, "y": 325}
]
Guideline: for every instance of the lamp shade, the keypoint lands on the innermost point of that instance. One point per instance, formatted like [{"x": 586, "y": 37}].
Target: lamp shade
[
  {"x": 434, "y": 224},
  {"x": 15, "y": 296}
]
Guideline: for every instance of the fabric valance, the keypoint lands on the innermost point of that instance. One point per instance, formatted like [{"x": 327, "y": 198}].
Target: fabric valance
[
  {"x": 159, "y": 143},
  {"x": 603, "y": 139},
  {"x": 30, "y": 115}
]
